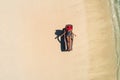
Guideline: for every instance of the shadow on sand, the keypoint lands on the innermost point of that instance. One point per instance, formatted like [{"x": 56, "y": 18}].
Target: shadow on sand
[{"x": 61, "y": 40}]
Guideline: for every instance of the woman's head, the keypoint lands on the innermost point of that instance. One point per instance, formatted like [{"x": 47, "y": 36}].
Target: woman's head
[{"x": 69, "y": 27}]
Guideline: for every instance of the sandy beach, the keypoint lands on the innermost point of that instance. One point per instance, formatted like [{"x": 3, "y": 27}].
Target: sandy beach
[{"x": 29, "y": 50}]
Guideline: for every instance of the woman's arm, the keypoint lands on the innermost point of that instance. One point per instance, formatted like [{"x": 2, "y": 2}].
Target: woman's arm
[
  {"x": 74, "y": 34},
  {"x": 62, "y": 34}
]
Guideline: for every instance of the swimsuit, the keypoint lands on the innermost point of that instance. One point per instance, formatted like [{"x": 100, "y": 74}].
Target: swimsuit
[{"x": 68, "y": 33}]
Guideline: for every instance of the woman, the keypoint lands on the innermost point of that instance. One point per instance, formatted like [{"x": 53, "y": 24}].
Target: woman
[{"x": 69, "y": 36}]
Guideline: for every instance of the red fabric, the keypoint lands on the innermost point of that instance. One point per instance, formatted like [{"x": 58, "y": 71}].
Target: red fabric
[{"x": 69, "y": 27}]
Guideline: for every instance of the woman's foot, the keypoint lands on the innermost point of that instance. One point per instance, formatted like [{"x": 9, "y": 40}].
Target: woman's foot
[{"x": 69, "y": 50}]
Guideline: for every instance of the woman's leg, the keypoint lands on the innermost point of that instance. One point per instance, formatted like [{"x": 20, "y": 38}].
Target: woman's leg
[{"x": 68, "y": 42}]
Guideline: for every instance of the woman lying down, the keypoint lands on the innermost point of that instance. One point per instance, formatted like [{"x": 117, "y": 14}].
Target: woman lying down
[{"x": 68, "y": 33}]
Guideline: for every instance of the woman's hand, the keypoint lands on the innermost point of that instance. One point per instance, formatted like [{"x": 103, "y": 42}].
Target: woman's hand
[
  {"x": 75, "y": 35},
  {"x": 56, "y": 37}
]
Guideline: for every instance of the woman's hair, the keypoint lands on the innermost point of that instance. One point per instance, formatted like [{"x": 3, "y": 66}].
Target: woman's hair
[{"x": 69, "y": 27}]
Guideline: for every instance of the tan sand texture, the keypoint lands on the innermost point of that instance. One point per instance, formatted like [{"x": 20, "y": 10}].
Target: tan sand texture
[{"x": 28, "y": 50}]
